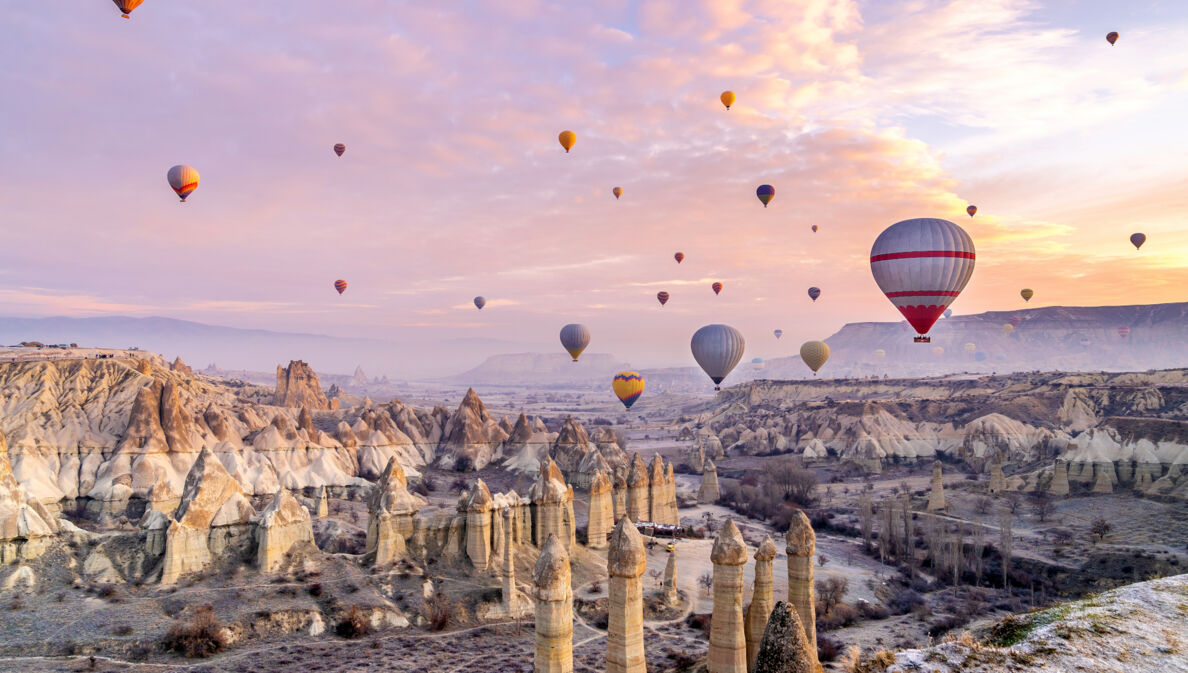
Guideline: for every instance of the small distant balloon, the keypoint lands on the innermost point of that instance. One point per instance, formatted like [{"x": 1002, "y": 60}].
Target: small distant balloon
[
  {"x": 970, "y": 347},
  {"x": 339, "y": 149},
  {"x": 1027, "y": 293},
  {"x": 1015, "y": 320},
  {"x": 1007, "y": 328},
  {"x": 778, "y": 333},
  {"x": 1111, "y": 36},
  {"x": 880, "y": 353},
  {"x": 948, "y": 313},
  {"x": 183, "y": 179},
  {"x": 814, "y": 292},
  {"x": 480, "y": 302},
  {"x": 814, "y": 228},
  {"x": 727, "y": 98},
  {"x": 679, "y": 257},
  {"x": 814, "y": 354},
  {"x": 717, "y": 288},
  {"x": 1138, "y": 240},
  {"x": 617, "y": 191},
  {"x": 575, "y": 338},
  {"x": 567, "y": 139},
  {"x": 972, "y": 210},
  {"x": 126, "y": 7},
  {"x": 628, "y": 386},
  {"x": 662, "y": 297},
  {"x": 1124, "y": 331},
  {"x": 765, "y": 193},
  {"x": 340, "y": 285}
]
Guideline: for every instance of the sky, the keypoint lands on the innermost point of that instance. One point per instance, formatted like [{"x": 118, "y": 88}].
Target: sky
[{"x": 859, "y": 113}]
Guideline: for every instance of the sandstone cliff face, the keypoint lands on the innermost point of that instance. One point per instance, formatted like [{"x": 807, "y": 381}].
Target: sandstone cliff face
[
  {"x": 297, "y": 386},
  {"x": 212, "y": 518},
  {"x": 283, "y": 524},
  {"x": 26, "y": 527}
]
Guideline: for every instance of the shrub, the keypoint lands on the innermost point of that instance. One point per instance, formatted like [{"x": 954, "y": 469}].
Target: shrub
[
  {"x": 314, "y": 589},
  {"x": 830, "y": 592},
  {"x": 827, "y": 649},
  {"x": 354, "y": 624},
  {"x": 437, "y": 612},
  {"x": 904, "y": 602},
  {"x": 699, "y": 623},
  {"x": 202, "y": 637},
  {"x": 840, "y": 616}
]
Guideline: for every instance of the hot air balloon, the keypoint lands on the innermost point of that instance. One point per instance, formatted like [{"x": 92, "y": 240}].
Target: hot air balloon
[
  {"x": 727, "y": 98},
  {"x": 567, "y": 139},
  {"x": 628, "y": 386},
  {"x": 662, "y": 297},
  {"x": 575, "y": 338},
  {"x": 183, "y": 179},
  {"x": 757, "y": 364},
  {"x": 922, "y": 265},
  {"x": 1027, "y": 293},
  {"x": 1014, "y": 320},
  {"x": 778, "y": 333},
  {"x": 814, "y": 228},
  {"x": 717, "y": 349},
  {"x": 1111, "y": 36},
  {"x": 480, "y": 302},
  {"x": 972, "y": 210},
  {"x": 340, "y": 285},
  {"x": 938, "y": 351},
  {"x": 948, "y": 313},
  {"x": 1124, "y": 331},
  {"x": 617, "y": 191},
  {"x": 814, "y": 354},
  {"x": 980, "y": 356},
  {"x": 814, "y": 292},
  {"x": 717, "y": 288},
  {"x": 1007, "y": 328},
  {"x": 126, "y": 7},
  {"x": 339, "y": 149},
  {"x": 880, "y": 353},
  {"x": 1137, "y": 240},
  {"x": 970, "y": 347},
  {"x": 679, "y": 257},
  {"x": 765, "y": 193},
  {"x": 1084, "y": 341}
]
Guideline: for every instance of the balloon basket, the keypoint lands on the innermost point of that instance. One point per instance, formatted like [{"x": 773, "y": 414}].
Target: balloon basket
[{"x": 922, "y": 340}]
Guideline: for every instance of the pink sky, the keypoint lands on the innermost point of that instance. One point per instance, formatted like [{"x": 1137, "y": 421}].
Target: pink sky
[{"x": 453, "y": 184}]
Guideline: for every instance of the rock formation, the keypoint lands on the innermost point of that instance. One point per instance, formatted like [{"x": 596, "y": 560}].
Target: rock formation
[
  {"x": 936, "y": 497},
  {"x": 26, "y": 526},
  {"x": 297, "y": 386},
  {"x": 321, "y": 504},
  {"x": 478, "y": 526},
  {"x": 784, "y": 648},
  {"x": 708, "y": 493},
  {"x": 662, "y": 492},
  {"x": 761, "y": 598},
  {"x": 181, "y": 367},
  {"x": 600, "y": 520},
  {"x": 727, "y": 642},
  {"x": 282, "y": 524},
  {"x": 1059, "y": 484},
  {"x": 471, "y": 437},
  {"x": 619, "y": 496},
  {"x": 554, "y": 609},
  {"x": 213, "y": 515},
  {"x": 670, "y": 579},
  {"x": 1103, "y": 484},
  {"x": 997, "y": 478},
  {"x": 626, "y": 560},
  {"x": 552, "y": 503},
  {"x": 391, "y": 510},
  {"x": 639, "y": 507},
  {"x": 511, "y": 602},
  {"x": 801, "y": 548}
]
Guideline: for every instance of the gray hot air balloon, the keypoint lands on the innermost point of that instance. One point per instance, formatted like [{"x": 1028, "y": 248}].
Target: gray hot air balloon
[
  {"x": 480, "y": 302},
  {"x": 575, "y": 338},
  {"x": 718, "y": 348}
]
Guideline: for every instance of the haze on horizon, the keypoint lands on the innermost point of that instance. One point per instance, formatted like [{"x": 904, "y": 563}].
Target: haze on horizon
[{"x": 453, "y": 183}]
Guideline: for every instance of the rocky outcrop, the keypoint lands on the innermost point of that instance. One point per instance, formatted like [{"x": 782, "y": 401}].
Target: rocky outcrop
[
  {"x": 639, "y": 506},
  {"x": 761, "y": 599},
  {"x": 297, "y": 386},
  {"x": 936, "y": 496},
  {"x": 552, "y": 505},
  {"x": 478, "y": 526},
  {"x": 626, "y": 560},
  {"x": 784, "y": 648},
  {"x": 26, "y": 526},
  {"x": 670, "y": 579},
  {"x": 471, "y": 437},
  {"x": 997, "y": 478},
  {"x": 554, "y": 609},
  {"x": 619, "y": 496},
  {"x": 180, "y": 367},
  {"x": 525, "y": 446},
  {"x": 708, "y": 493},
  {"x": 321, "y": 503},
  {"x": 600, "y": 520},
  {"x": 662, "y": 492},
  {"x": 1059, "y": 484},
  {"x": 391, "y": 511},
  {"x": 213, "y": 517},
  {"x": 281, "y": 525},
  {"x": 727, "y": 642},
  {"x": 801, "y": 549}
]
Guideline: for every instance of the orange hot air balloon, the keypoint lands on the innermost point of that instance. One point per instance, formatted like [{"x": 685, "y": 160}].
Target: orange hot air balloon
[
  {"x": 617, "y": 191},
  {"x": 126, "y": 7},
  {"x": 727, "y": 98},
  {"x": 679, "y": 257},
  {"x": 662, "y": 297},
  {"x": 340, "y": 285},
  {"x": 567, "y": 139},
  {"x": 339, "y": 149},
  {"x": 717, "y": 288},
  {"x": 1111, "y": 36},
  {"x": 972, "y": 210}
]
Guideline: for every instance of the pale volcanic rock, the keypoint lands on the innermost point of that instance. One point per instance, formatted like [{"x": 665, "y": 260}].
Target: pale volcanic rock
[
  {"x": 321, "y": 503},
  {"x": 281, "y": 525},
  {"x": 801, "y": 548},
  {"x": 658, "y": 505},
  {"x": 670, "y": 579},
  {"x": 471, "y": 438},
  {"x": 391, "y": 512},
  {"x": 727, "y": 642},
  {"x": 603, "y": 438},
  {"x": 525, "y": 447},
  {"x": 784, "y": 648},
  {"x": 211, "y": 500},
  {"x": 478, "y": 526},
  {"x": 997, "y": 478},
  {"x": 298, "y": 386},
  {"x": 936, "y": 494},
  {"x": 1059, "y": 483},
  {"x": 761, "y": 598},
  {"x": 180, "y": 367},
  {"x": 626, "y": 560},
  {"x": 708, "y": 493},
  {"x": 571, "y": 445},
  {"x": 639, "y": 504},
  {"x": 600, "y": 520},
  {"x": 814, "y": 449},
  {"x": 551, "y": 587},
  {"x": 619, "y": 496},
  {"x": 1104, "y": 484},
  {"x": 591, "y": 463},
  {"x": 26, "y": 527},
  {"x": 552, "y": 499}
]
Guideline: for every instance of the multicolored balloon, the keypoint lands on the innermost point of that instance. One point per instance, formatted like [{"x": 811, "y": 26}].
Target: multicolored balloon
[
  {"x": 778, "y": 333},
  {"x": 1138, "y": 240},
  {"x": 662, "y": 297},
  {"x": 727, "y": 98},
  {"x": 717, "y": 349},
  {"x": 814, "y": 354},
  {"x": 970, "y": 347},
  {"x": 126, "y": 6},
  {"x": 617, "y": 191},
  {"x": 480, "y": 302},
  {"x": 183, "y": 179},
  {"x": 339, "y": 149},
  {"x": 1111, "y": 36},
  {"x": 1027, "y": 293},
  {"x": 340, "y": 285},
  {"x": 679, "y": 257},
  {"x": 972, "y": 210},
  {"x": 628, "y": 386},
  {"x": 716, "y": 287},
  {"x": 814, "y": 292},
  {"x": 567, "y": 139},
  {"x": 765, "y": 193},
  {"x": 922, "y": 265},
  {"x": 880, "y": 353},
  {"x": 1124, "y": 331},
  {"x": 574, "y": 339}
]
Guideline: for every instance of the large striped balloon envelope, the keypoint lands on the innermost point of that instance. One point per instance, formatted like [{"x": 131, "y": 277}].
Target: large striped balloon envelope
[{"x": 922, "y": 265}]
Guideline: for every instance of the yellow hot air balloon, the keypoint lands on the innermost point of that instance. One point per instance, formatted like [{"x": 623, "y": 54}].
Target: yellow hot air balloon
[
  {"x": 814, "y": 354},
  {"x": 727, "y": 98},
  {"x": 971, "y": 347},
  {"x": 628, "y": 386},
  {"x": 880, "y": 353},
  {"x": 1027, "y": 293},
  {"x": 567, "y": 139},
  {"x": 1007, "y": 328}
]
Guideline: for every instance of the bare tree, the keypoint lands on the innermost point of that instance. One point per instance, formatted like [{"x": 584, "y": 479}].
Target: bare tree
[
  {"x": 982, "y": 505},
  {"x": 1005, "y": 519},
  {"x": 977, "y": 551},
  {"x": 908, "y": 546},
  {"x": 1042, "y": 506},
  {"x": 1099, "y": 529},
  {"x": 793, "y": 481},
  {"x": 866, "y": 517}
]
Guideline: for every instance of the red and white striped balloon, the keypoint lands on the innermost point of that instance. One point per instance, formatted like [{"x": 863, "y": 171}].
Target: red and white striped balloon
[{"x": 922, "y": 265}]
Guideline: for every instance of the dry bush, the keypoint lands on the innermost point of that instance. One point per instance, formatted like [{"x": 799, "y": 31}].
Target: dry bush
[
  {"x": 202, "y": 637},
  {"x": 438, "y": 612},
  {"x": 354, "y": 624},
  {"x": 830, "y": 592}
]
